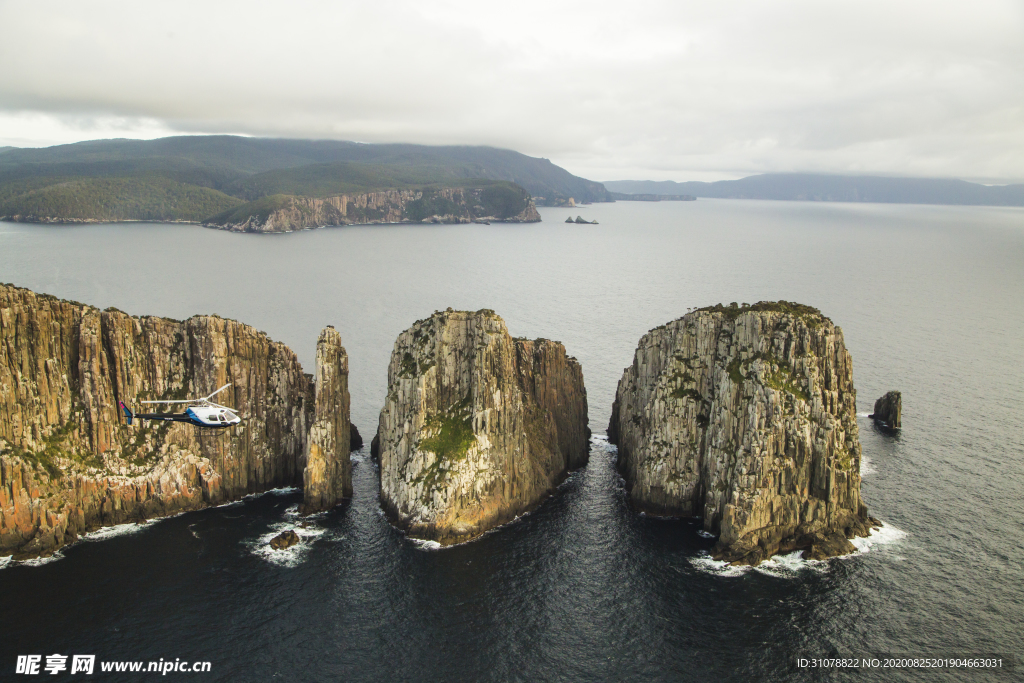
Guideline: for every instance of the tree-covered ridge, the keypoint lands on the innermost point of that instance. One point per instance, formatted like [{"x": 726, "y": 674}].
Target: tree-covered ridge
[
  {"x": 250, "y": 169},
  {"x": 152, "y": 198},
  {"x": 331, "y": 180},
  {"x": 495, "y": 199}
]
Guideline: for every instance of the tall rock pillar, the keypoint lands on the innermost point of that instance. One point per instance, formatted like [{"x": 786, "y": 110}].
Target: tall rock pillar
[{"x": 327, "y": 478}]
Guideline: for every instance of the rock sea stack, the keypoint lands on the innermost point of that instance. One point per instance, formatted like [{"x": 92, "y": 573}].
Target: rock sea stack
[
  {"x": 285, "y": 539},
  {"x": 327, "y": 478},
  {"x": 888, "y": 410},
  {"x": 746, "y": 416},
  {"x": 478, "y": 427},
  {"x": 355, "y": 441}
]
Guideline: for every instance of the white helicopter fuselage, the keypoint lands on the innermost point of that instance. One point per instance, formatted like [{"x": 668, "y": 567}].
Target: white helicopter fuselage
[{"x": 213, "y": 416}]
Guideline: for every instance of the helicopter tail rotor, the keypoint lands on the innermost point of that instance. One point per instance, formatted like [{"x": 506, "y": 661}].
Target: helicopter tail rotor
[{"x": 128, "y": 415}]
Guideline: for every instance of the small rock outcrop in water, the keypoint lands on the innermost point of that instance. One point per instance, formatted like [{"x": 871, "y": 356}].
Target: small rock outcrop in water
[
  {"x": 68, "y": 461},
  {"x": 327, "y": 478},
  {"x": 478, "y": 427},
  {"x": 746, "y": 416},
  {"x": 285, "y": 539},
  {"x": 888, "y": 410},
  {"x": 355, "y": 441}
]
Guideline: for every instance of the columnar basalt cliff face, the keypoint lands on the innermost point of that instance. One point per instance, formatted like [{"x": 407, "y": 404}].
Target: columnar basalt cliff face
[
  {"x": 327, "y": 478},
  {"x": 478, "y": 427},
  {"x": 286, "y": 213},
  {"x": 746, "y": 416},
  {"x": 68, "y": 460}
]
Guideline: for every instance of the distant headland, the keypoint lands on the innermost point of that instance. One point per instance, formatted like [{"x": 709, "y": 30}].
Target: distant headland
[{"x": 273, "y": 185}]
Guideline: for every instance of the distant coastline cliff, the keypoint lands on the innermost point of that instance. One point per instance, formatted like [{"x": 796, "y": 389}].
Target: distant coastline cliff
[
  {"x": 280, "y": 213},
  {"x": 68, "y": 461}
]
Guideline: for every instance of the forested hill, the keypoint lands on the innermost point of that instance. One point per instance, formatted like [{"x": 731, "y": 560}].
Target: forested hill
[
  {"x": 834, "y": 188},
  {"x": 194, "y": 177}
]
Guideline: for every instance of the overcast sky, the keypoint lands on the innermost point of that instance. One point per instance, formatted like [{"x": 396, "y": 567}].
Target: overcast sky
[{"x": 647, "y": 90}]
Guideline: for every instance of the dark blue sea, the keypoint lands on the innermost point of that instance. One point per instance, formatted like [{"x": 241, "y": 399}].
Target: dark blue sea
[{"x": 931, "y": 302}]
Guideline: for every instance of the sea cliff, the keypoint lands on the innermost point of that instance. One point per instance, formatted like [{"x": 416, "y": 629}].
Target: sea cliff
[
  {"x": 477, "y": 427},
  {"x": 286, "y": 213},
  {"x": 746, "y": 417},
  {"x": 68, "y": 461}
]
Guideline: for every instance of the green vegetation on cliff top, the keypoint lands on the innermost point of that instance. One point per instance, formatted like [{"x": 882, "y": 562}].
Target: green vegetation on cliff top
[{"x": 811, "y": 316}]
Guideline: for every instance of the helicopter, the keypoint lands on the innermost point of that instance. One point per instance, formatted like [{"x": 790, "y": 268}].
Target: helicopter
[{"x": 202, "y": 412}]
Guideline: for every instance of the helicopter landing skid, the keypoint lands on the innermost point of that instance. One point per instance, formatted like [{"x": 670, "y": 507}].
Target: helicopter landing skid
[{"x": 205, "y": 435}]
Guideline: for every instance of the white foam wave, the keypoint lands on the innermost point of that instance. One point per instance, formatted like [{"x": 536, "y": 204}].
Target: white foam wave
[
  {"x": 357, "y": 458},
  {"x": 283, "y": 491},
  {"x": 887, "y": 535},
  {"x": 863, "y": 414},
  {"x": 705, "y": 563},
  {"x": 705, "y": 534},
  {"x": 106, "y": 532},
  {"x": 288, "y": 557},
  {"x": 782, "y": 566},
  {"x": 292, "y": 513},
  {"x": 40, "y": 561},
  {"x": 434, "y": 545},
  {"x": 4, "y": 561},
  {"x": 866, "y": 467},
  {"x": 789, "y": 566}
]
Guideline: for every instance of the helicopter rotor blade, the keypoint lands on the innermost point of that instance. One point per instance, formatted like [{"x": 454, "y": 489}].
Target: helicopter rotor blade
[
  {"x": 217, "y": 405},
  {"x": 188, "y": 400},
  {"x": 207, "y": 398}
]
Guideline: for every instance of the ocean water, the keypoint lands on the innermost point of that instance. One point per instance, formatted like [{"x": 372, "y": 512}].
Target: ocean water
[{"x": 931, "y": 301}]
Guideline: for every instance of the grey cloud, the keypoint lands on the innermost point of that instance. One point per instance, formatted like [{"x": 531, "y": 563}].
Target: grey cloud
[{"x": 674, "y": 90}]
